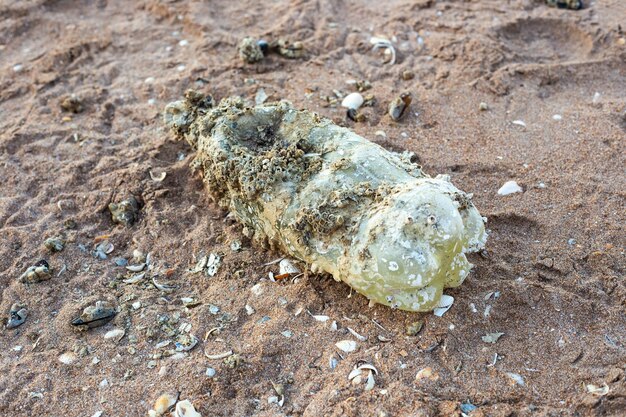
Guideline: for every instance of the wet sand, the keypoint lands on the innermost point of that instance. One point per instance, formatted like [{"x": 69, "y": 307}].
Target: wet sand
[{"x": 552, "y": 279}]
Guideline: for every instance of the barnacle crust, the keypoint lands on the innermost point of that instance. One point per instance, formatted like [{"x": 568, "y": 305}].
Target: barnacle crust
[{"x": 333, "y": 199}]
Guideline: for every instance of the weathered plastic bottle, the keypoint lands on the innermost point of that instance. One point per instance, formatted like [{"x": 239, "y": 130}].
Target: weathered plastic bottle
[{"x": 335, "y": 200}]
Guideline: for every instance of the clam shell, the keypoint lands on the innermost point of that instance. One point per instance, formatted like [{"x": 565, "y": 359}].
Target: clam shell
[
  {"x": 185, "y": 409},
  {"x": 95, "y": 316},
  {"x": 352, "y": 101}
]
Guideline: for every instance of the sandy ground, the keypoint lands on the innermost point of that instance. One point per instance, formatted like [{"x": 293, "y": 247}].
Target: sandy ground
[{"x": 552, "y": 279}]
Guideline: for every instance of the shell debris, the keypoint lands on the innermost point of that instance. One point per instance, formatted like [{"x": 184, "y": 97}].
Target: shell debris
[
  {"x": 346, "y": 345},
  {"x": 95, "y": 316},
  {"x": 39, "y": 272},
  {"x": 380, "y": 42},
  {"x": 17, "y": 316},
  {"x": 510, "y": 187},
  {"x": 186, "y": 409}
]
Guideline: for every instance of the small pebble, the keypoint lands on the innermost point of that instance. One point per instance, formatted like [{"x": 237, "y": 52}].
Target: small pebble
[
  {"x": 181, "y": 68},
  {"x": 557, "y": 117},
  {"x": 483, "y": 106},
  {"x": 571, "y": 242},
  {"x": 18, "y": 67},
  {"x": 149, "y": 80},
  {"x": 183, "y": 42},
  {"x": 210, "y": 372}
]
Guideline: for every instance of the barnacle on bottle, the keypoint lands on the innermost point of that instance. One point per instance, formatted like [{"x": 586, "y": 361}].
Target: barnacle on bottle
[{"x": 338, "y": 202}]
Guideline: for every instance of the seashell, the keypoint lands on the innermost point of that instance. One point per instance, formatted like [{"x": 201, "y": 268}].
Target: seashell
[
  {"x": 164, "y": 403},
  {"x": 136, "y": 268},
  {"x": 346, "y": 345},
  {"x": 135, "y": 278},
  {"x": 287, "y": 49},
  {"x": 358, "y": 336},
  {"x": 125, "y": 212},
  {"x": 158, "y": 177},
  {"x": 321, "y": 318},
  {"x": 162, "y": 287},
  {"x": 352, "y": 101},
  {"x": 186, "y": 409},
  {"x": 510, "y": 187},
  {"x": 17, "y": 316},
  {"x": 200, "y": 265},
  {"x": 287, "y": 267},
  {"x": 399, "y": 105},
  {"x": 67, "y": 358},
  {"x": 54, "y": 244},
  {"x": 115, "y": 333},
  {"x": 219, "y": 355},
  {"x": 39, "y": 272},
  {"x": 213, "y": 264},
  {"x": 95, "y": 316},
  {"x": 186, "y": 343},
  {"x": 444, "y": 305}
]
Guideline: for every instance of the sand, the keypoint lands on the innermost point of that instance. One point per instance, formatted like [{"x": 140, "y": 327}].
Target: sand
[{"x": 551, "y": 280}]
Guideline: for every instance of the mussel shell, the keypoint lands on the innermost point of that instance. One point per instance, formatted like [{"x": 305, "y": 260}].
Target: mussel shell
[{"x": 95, "y": 316}]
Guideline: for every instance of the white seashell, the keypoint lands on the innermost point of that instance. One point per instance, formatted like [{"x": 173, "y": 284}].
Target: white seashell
[
  {"x": 287, "y": 267},
  {"x": 358, "y": 336},
  {"x": 519, "y": 123},
  {"x": 136, "y": 268},
  {"x": 67, "y": 358},
  {"x": 158, "y": 177},
  {"x": 186, "y": 409},
  {"x": 370, "y": 367},
  {"x": 354, "y": 373},
  {"x": 346, "y": 345},
  {"x": 135, "y": 278},
  {"x": 321, "y": 318},
  {"x": 115, "y": 333},
  {"x": 352, "y": 101},
  {"x": 213, "y": 264},
  {"x": 162, "y": 344},
  {"x": 519, "y": 380},
  {"x": 200, "y": 265},
  {"x": 444, "y": 305},
  {"x": 257, "y": 289},
  {"x": 510, "y": 187},
  {"x": 219, "y": 355}
]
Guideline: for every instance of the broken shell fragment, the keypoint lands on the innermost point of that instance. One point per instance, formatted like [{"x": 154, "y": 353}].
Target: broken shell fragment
[
  {"x": 125, "y": 212},
  {"x": 250, "y": 50},
  {"x": 288, "y": 49},
  {"x": 54, "y": 244},
  {"x": 95, "y": 316},
  {"x": 346, "y": 345},
  {"x": 399, "y": 106},
  {"x": 163, "y": 404},
  {"x": 330, "y": 198},
  {"x": 72, "y": 104},
  {"x": 39, "y": 272},
  {"x": 17, "y": 316},
  {"x": 186, "y": 409}
]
